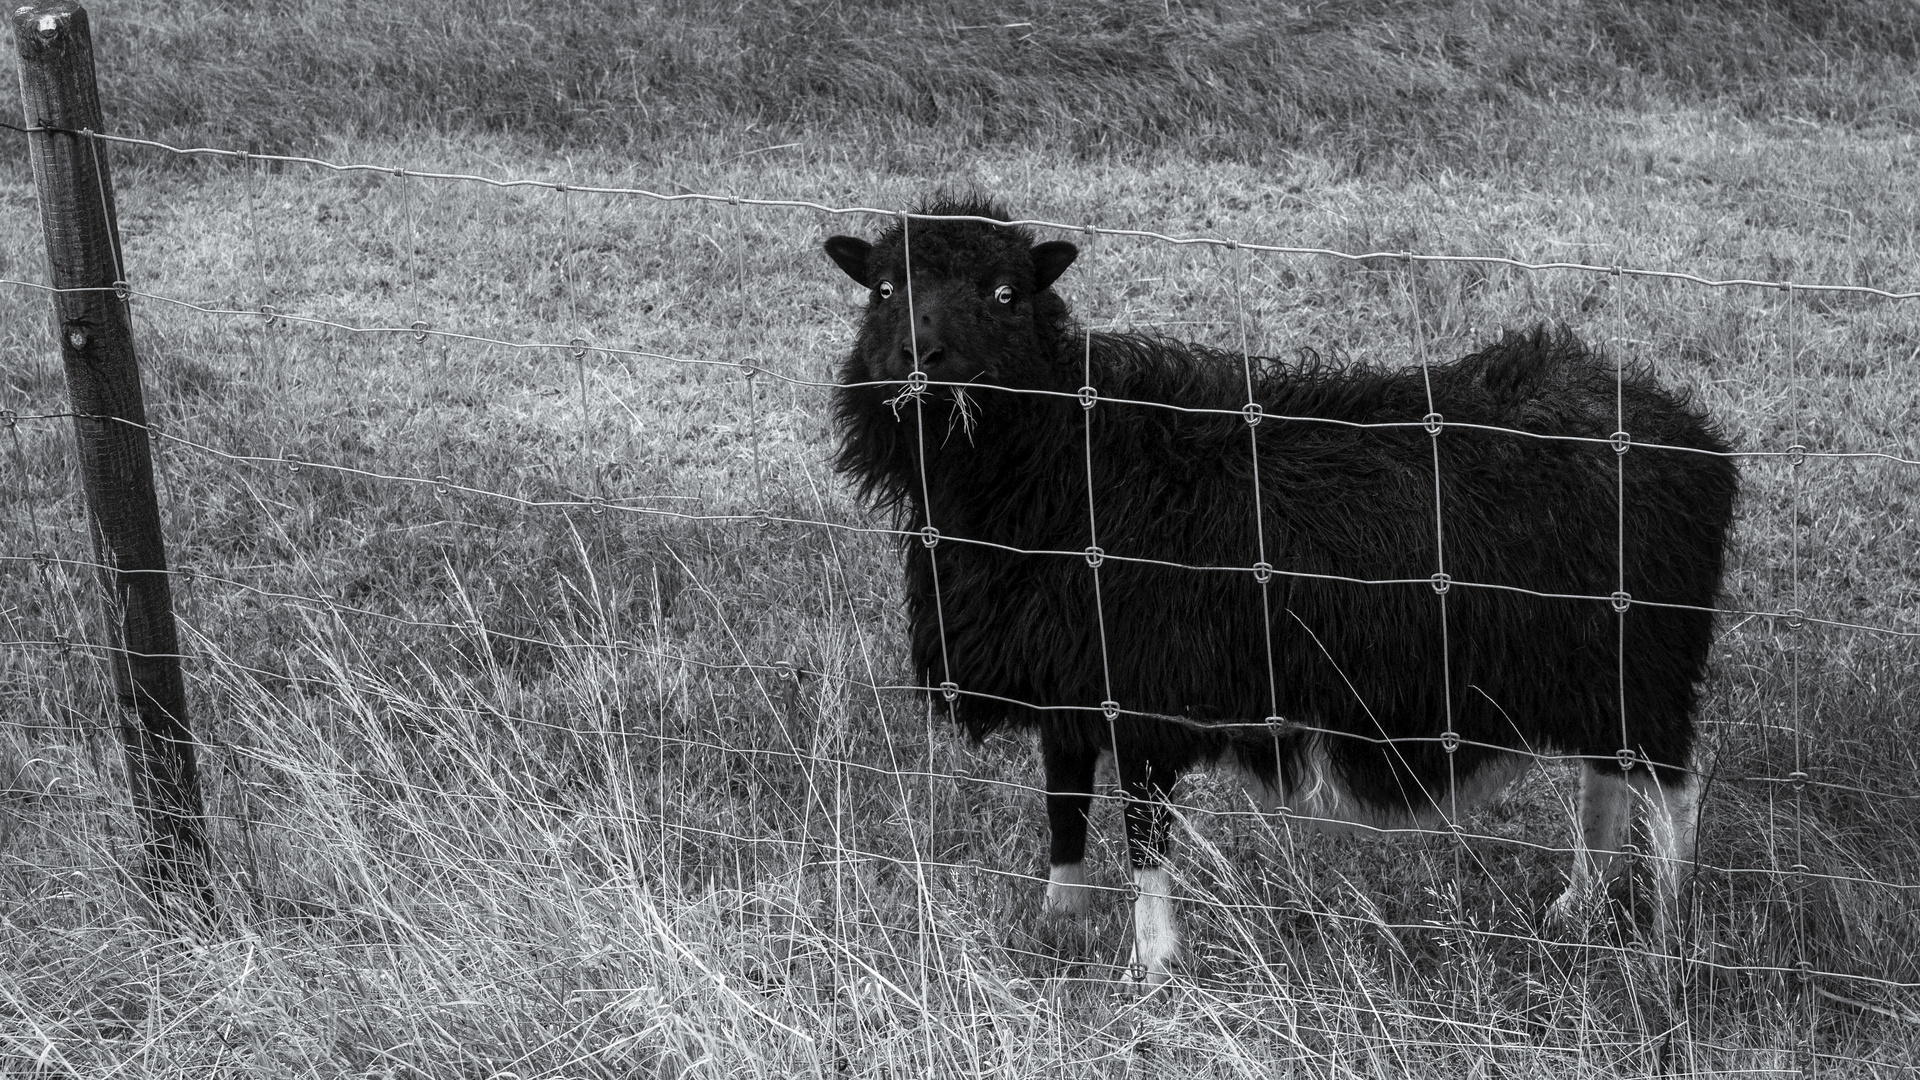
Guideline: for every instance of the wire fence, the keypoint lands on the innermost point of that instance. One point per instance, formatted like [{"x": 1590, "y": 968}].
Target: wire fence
[{"x": 823, "y": 795}]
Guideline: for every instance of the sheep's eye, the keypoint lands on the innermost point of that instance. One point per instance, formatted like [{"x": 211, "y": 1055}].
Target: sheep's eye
[
  {"x": 1004, "y": 294},
  {"x": 885, "y": 290}
]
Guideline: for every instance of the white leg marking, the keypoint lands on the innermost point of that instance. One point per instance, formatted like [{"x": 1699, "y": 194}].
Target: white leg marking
[
  {"x": 1067, "y": 891},
  {"x": 1156, "y": 933},
  {"x": 1606, "y": 806},
  {"x": 1673, "y": 818}
]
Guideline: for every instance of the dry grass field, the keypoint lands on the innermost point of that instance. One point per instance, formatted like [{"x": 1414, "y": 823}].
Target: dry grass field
[{"x": 550, "y": 705}]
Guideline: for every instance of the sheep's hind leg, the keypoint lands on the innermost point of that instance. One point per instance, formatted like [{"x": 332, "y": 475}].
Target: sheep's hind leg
[
  {"x": 1673, "y": 818},
  {"x": 1069, "y": 794},
  {"x": 1606, "y": 805},
  {"x": 1156, "y": 929}
]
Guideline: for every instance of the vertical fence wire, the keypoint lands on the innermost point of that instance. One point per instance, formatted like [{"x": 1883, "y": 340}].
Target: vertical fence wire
[
  {"x": 1600, "y": 881},
  {"x": 1805, "y": 1058},
  {"x": 1109, "y": 705},
  {"x": 1435, "y": 423},
  {"x": 949, "y": 690},
  {"x": 1263, "y": 566}
]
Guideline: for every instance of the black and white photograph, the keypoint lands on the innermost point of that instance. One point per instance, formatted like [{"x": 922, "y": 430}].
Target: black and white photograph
[{"x": 870, "y": 540}]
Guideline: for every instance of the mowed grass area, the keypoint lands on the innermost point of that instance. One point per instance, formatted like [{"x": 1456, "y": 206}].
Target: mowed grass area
[{"x": 505, "y": 780}]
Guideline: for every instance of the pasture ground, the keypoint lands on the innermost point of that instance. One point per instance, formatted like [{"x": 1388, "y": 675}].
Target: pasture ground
[{"x": 503, "y": 782}]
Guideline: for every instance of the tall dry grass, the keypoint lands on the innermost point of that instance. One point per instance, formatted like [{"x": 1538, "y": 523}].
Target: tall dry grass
[{"x": 500, "y": 783}]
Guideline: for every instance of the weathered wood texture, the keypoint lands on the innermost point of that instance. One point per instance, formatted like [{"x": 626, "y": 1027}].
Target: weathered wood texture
[{"x": 92, "y": 324}]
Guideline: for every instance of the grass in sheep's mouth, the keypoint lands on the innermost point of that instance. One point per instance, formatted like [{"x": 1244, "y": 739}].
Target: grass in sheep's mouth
[
  {"x": 961, "y": 415},
  {"x": 537, "y": 795}
]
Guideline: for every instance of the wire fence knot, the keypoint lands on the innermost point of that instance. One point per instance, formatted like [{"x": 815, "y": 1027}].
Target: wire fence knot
[
  {"x": 1620, "y": 441},
  {"x": 1433, "y": 422},
  {"x": 1626, "y": 757},
  {"x": 930, "y": 536},
  {"x": 1622, "y": 600},
  {"x": 1450, "y": 741},
  {"x": 1110, "y": 710},
  {"x": 1798, "y": 779},
  {"x": 420, "y": 330},
  {"x": 1253, "y": 412},
  {"x": 1095, "y": 556},
  {"x": 950, "y": 690},
  {"x": 1263, "y": 572},
  {"x": 1441, "y": 583},
  {"x": 1088, "y": 397}
]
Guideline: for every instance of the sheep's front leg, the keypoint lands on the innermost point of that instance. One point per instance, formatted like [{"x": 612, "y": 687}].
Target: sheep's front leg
[
  {"x": 1069, "y": 795},
  {"x": 1156, "y": 931}
]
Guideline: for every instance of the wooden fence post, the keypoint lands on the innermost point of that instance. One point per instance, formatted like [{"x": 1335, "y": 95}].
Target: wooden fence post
[{"x": 116, "y": 465}]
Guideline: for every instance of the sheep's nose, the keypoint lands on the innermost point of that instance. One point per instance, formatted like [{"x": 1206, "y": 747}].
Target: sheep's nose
[{"x": 931, "y": 353}]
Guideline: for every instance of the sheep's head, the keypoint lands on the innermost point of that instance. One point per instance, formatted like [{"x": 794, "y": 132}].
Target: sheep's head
[{"x": 977, "y": 307}]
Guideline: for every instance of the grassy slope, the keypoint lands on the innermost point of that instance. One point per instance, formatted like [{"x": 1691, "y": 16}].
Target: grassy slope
[
  {"x": 460, "y": 852},
  {"x": 1434, "y": 81}
]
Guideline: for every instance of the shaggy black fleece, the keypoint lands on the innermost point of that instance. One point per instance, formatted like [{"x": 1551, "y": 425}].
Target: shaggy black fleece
[{"x": 1010, "y": 469}]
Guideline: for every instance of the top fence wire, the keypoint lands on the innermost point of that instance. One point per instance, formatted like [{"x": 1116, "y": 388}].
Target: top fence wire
[{"x": 526, "y": 625}]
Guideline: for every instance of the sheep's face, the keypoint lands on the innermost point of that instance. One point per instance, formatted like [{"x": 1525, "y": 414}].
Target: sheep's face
[{"x": 975, "y": 309}]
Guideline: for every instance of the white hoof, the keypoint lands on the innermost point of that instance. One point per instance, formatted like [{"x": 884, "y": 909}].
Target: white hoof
[
  {"x": 1067, "y": 890},
  {"x": 1141, "y": 980}
]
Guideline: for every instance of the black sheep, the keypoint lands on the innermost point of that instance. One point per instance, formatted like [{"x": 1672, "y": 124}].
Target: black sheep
[{"x": 1169, "y": 667}]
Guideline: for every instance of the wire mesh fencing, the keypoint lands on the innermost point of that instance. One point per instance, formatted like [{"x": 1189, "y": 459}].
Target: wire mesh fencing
[{"x": 528, "y": 628}]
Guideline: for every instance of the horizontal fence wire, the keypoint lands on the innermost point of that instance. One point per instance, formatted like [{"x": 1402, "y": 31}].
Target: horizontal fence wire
[
  {"x": 897, "y": 214},
  {"x": 213, "y": 671},
  {"x": 69, "y": 646},
  {"x": 597, "y": 504},
  {"x": 331, "y": 606}
]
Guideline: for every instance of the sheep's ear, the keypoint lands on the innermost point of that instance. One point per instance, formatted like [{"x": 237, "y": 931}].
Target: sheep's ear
[
  {"x": 851, "y": 252},
  {"x": 1050, "y": 260}
]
